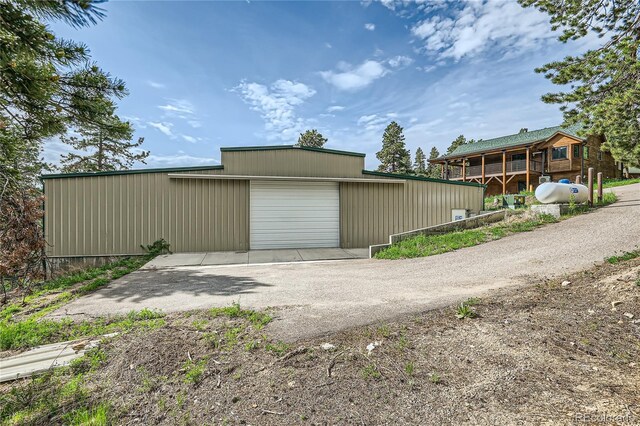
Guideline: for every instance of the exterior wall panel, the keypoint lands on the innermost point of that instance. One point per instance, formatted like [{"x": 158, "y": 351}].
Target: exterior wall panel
[
  {"x": 111, "y": 215},
  {"x": 369, "y": 213},
  {"x": 291, "y": 162}
]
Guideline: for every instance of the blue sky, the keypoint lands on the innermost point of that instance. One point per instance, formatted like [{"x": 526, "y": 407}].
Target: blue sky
[{"x": 203, "y": 75}]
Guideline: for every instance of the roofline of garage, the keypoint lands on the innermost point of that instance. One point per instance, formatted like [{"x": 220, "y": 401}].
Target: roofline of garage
[
  {"x": 284, "y": 178},
  {"x": 132, "y": 172},
  {"x": 277, "y": 147},
  {"x": 421, "y": 178}
]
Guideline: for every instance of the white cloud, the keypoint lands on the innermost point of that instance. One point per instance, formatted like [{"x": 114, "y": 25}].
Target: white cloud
[
  {"x": 194, "y": 123},
  {"x": 178, "y": 107},
  {"x": 191, "y": 139},
  {"x": 400, "y": 61},
  {"x": 369, "y": 26},
  {"x": 155, "y": 84},
  {"x": 351, "y": 78},
  {"x": 164, "y": 127},
  {"x": 179, "y": 161},
  {"x": 276, "y": 105},
  {"x": 375, "y": 122},
  {"x": 136, "y": 121},
  {"x": 328, "y": 45},
  {"x": 477, "y": 26},
  {"x": 335, "y": 108}
]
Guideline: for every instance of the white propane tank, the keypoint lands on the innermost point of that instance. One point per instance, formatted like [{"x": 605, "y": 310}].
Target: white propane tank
[{"x": 552, "y": 192}]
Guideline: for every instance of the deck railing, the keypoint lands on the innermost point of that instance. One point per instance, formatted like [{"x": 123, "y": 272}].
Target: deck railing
[{"x": 515, "y": 166}]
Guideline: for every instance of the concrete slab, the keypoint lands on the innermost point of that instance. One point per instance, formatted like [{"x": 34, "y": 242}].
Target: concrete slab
[
  {"x": 43, "y": 358},
  {"x": 324, "y": 254},
  {"x": 225, "y": 258},
  {"x": 176, "y": 259},
  {"x": 358, "y": 253},
  {"x": 273, "y": 256}
]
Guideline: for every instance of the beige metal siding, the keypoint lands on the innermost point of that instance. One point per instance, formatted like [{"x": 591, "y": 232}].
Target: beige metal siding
[
  {"x": 369, "y": 213},
  {"x": 291, "y": 162},
  {"x": 101, "y": 215}
]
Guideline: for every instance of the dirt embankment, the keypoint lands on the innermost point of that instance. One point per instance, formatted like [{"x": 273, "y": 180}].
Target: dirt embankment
[{"x": 545, "y": 354}]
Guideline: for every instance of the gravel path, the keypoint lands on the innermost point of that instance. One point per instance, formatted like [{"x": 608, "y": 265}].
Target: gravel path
[{"x": 316, "y": 298}]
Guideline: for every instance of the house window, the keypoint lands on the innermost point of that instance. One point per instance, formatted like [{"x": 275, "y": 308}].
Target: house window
[
  {"x": 585, "y": 153},
  {"x": 559, "y": 153},
  {"x": 576, "y": 150},
  {"x": 599, "y": 155}
]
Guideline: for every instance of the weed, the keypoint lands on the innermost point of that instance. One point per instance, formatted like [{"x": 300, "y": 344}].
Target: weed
[
  {"x": 200, "y": 325},
  {"x": 181, "y": 398},
  {"x": 403, "y": 341},
  {"x": 249, "y": 346},
  {"x": 465, "y": 311},
  {"x": 157, "y": 248},
  {"x": 409, "y": 368},
  {"x": 384, "y": 330},
  {"x": 257, "y": 319},
  {"x": 279, "y": 348},
  {"x": 194, "y": 370},
  {"x": 638, "y": 282},
  {"x": 472, "y": 301},
  {"x": 370, "y": 372},
  {"x": 95, "y": 416},
  {"x": 623, "y": 257},
  {"x": 435, "y": 378}
]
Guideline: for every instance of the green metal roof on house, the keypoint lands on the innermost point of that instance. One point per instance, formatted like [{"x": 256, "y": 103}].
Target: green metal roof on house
[{"x": 517, "y": 139}]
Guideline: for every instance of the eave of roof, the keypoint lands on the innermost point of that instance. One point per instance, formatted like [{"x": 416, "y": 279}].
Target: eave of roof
[
  {"x": 421, "y": 178},
  {"x": 513, "y": 141},
  {"x": 277, "y": 147},
  {"x": 131, "y": 172}
]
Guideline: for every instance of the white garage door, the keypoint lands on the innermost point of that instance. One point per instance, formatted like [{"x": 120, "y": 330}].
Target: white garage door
[{"x": 294, "y": 214}]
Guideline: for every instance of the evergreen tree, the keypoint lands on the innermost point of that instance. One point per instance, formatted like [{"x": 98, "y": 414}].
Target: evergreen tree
[
  {"x": 459, "y": 141},
  {"x": 312, "y": 138},
  {"x": 419, "y": 166},
  {"x": 602, "y": 85},
  {"x": 433, "y": 170},
  {"x": 47, "y": 84},
  {"x": 394, "y": 156},
  {"x": 106, "y": 148}
]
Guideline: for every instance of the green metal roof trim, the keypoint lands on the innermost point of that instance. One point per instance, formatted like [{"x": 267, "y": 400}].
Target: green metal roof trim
[
  {"x": 421, "y": 178},
  {"x": 514, "y": 140},
  {"x": 276, "y": 147},
  {"x": 132, "y": 172}
]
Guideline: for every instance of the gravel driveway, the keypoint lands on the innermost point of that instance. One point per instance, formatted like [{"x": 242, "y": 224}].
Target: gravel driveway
[{"x": 316, "y": 298}]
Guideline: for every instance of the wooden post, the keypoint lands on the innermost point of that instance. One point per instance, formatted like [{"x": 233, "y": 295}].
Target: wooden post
[
  {"x": 483, "y": 169},
  {"x": 504, "y": 172},
  {"x": 600, "y": 195},
  {"x": 446, "y": 170},
  {"x": 442, "y": 171},
  {"x": 464, "y": 169},
  {"x": 528, "y": 170},
  {"x": 590, "y": 184},
  {"x": 578, "y": 179}
]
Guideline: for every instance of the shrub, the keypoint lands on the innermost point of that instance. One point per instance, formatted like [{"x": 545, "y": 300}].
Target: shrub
[{"x": 157, "y": 248}]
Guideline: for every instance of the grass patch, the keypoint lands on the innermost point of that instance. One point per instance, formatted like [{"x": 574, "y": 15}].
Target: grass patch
[
  {"x": 623, "y": 257},
  {"x": 257, "y": 319},
  {"x": 612, "y": 183},
  {"x": 194, "y": 370},
  {"x": 95, "y": 416},
  {"x": 370, "y": 372},
  {"x": 429, "y": 245},
  {"x": 31, "y": 332}
]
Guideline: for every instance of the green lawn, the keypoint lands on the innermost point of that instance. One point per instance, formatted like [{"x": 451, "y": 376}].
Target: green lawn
[
  {"x": 423, "y": 245},
  {"x": 611, "y": 183}
]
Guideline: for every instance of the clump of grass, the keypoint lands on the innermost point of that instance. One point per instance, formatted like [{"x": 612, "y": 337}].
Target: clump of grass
[
  {"x": 30, "y": 332},
  {"x": 409, "y": 368},
  {"x": 93, "y": 416},
  {"x": 464, "y": 311},
  {"x": 279, "y": 348},
  {"x": 194, "y": 370},
  {"x": 435, "y": 378},
  {"x": 623, "y": 257},
  {"x": 370, "y": 372},
  {"x": 257, "y": 319}
]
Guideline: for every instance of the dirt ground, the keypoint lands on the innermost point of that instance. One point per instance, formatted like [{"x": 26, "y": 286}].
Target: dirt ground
[{"x": 542, "y": 354}]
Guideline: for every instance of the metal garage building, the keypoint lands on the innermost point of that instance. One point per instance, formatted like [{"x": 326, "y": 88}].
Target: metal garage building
[{"x": 260, "y": 197}]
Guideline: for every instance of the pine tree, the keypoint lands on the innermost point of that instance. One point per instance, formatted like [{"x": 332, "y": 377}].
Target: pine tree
[
  {"x": 433, "y": 170},
  {"x": 312, "y": 138},
  {"x": 602, "y": 85},
  {"x": 459, "y": 141},
  {"x": 394, "y": 156},
  {"x": 103, "y": 148},
  {"x": 419, "y": 166},
  {"x": 48, "y": 84}
]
